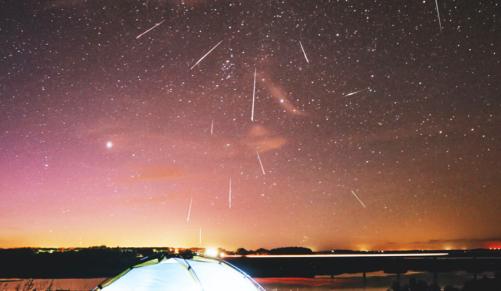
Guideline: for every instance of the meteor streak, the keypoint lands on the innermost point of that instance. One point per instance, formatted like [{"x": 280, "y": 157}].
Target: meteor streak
[
  {"x": 150, "y": 29},
  {"x": 438, "y": 15},
  {"x": 188, "y": 216},
  {"x": 212, "y": 127},
  {"x": 253, "y": 96},
  {"x": 304, "y": 53},
  {"x": 360, "y": 201},
  {"x": 206, "y": 54},
  {"x": 355, "y": 92},
  {"x": 260, "y": 163},
  {"x": 229, "y": 194}
]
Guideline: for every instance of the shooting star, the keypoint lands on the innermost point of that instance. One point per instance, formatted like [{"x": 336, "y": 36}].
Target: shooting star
[
  {"x": 304, "y": 53},
  {"x": 360, "y": 201},
  {"x": 355, "y": 92},
  {"x": 260, "y": 163},
  {"x": 206, "y": 54},
  {"x": 188, "y": 216},
  {"x": 212, "y": 127},
  {"x": 150, "y": 29},
  {"x": 253, "y": 96},
  {"x": 438, "y": 15},
  {"x": 229, "y": 194}
]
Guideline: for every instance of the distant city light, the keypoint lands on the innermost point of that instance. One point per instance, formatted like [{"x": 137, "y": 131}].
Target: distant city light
[{"x": 211, "y": 252}]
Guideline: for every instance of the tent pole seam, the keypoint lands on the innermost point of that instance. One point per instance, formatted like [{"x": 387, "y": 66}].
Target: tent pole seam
[{"x": 192, "y": 272}]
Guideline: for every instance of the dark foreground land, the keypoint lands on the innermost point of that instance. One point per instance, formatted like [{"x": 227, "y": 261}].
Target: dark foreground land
[
  {"x": 108, "y": 262},
  {"x": 472, "y": 262}
]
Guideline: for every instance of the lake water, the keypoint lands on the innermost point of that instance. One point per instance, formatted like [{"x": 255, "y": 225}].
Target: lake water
[{"x": 377, "y": 281}]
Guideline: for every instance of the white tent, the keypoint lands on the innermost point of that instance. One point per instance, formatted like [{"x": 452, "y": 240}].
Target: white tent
[{"x": 178, "y": 274}]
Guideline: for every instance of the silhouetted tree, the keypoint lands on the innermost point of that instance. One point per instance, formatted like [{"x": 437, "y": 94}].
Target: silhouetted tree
[
  {"x": 291, "y": 250},
  {"x": 262, "y": 251},
  {"x": 242, "y": 251}
]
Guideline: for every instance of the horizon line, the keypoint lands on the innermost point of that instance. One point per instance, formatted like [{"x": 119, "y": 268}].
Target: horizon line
[{"x": 340, "y": 255}]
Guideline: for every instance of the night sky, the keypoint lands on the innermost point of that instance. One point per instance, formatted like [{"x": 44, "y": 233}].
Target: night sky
[{"x": 374, "y": 124}]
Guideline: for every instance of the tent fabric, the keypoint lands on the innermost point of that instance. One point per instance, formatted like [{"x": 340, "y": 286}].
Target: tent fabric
[{"x": 174, "y": 274}]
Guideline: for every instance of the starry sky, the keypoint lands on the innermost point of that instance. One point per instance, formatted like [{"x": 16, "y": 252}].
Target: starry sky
[{"x": 324, "y": 124}]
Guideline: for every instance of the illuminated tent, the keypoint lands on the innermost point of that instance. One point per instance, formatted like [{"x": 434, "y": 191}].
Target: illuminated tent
[{"x": 181, "y": 274}]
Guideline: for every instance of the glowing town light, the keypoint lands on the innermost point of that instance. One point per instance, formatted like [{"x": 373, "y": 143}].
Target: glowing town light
[{"x": 211, "y": 252}]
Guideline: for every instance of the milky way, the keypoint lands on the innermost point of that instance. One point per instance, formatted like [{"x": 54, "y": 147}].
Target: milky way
[{"x": 115, "y": 116}]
